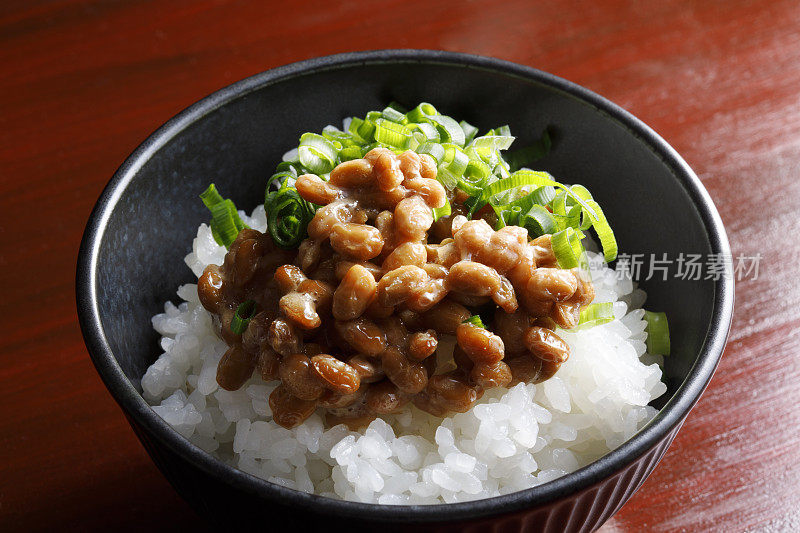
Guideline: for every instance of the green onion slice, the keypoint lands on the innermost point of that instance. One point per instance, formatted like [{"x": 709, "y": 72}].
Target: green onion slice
[
  {"x": 350, "y": 152},
  {"x": 596, "y": 314},
  {"x": 470, "y": 131},
  {"x": 336, "y": 135},
  {"x": 488, "y": 143},
  {"x": 426, "y": 131},
  {"x": 589, "y": 208},
  {"x": 211, "y": 196},
  {"x": 567, "y": 248},
  {"x": 449, "y": 130},
  {"x": 475, "y": 320},
  {"x": 603, "y": 229},
  {"x": 445, "y": 210},
  {"x": 538, "y": 221},
  {"x": 225, "y": 220},
  {"x": 657, "y": 333},
  {"x": 540, "y": 196},
  {"x": 453, "y": 165},
  {"x": 366, "y": 130},
  {"x": 421, "y": 113},
  {"x": 355, "y": 123},
  {"x": 393, "y": 134},
  {"x": 394, "y": 115},
  {"x": 500, "y": 130},
  {"x": 317, "y": 153},
  {"x": 241, "y": 318},
  {"x": 288, "y": 216},
  {"x": 433, "y": 149}
]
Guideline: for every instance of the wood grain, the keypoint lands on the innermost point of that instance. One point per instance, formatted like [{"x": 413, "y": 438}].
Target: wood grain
[{"x": 84, "y": 82}]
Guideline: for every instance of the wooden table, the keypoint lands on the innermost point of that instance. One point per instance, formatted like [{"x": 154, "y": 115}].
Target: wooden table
[{"x": 84, "y": 82}]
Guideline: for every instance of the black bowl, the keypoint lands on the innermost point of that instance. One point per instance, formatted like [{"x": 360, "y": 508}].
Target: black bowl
[{"x": 131, "y": 260}]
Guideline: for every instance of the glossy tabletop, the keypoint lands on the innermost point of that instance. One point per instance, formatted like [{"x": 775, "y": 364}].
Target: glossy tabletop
[{"x": 82, "y": 83}]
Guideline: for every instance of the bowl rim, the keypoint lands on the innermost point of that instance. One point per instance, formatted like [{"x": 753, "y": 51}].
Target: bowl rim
[{"x": 136, "y": 408}]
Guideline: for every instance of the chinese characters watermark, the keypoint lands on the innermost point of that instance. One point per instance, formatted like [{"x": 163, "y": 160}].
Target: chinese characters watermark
[{"x": 690, "y": 267}]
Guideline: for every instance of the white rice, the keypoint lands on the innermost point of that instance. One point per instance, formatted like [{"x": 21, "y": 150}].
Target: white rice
[{"x": 513, "y": 439}]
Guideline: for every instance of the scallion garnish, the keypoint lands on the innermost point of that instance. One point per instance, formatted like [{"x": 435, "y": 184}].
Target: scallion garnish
[
  {"x": 288, "y": 214},
  {"x": 394, "y": 134},
  {"x": 538, "y": 221},
  {"x": 596, "y": 314},
  {"x": 470, "y": 131},
  {"x": 225, "y": 220},
  {"x": 394, "y": 115},
  {"x": 571, "y": 209},
  {"x": 657, "y": 333},
  {"x": 475, "y": 320},
  {"x": 450, "y": 131},
  {"x": 425, "y": 132},
  {"x": 241, "y": 318},
  {"x": 445, "y": 210},
  {"x": 317, "y": 154},
  {"x": 434, "y": 149},
  {"x": 421, "y": 112},
  {"x": 567, "y": 248}
]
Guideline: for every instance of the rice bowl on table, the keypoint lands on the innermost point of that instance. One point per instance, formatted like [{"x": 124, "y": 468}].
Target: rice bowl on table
[{"x": 314, "y": 354}]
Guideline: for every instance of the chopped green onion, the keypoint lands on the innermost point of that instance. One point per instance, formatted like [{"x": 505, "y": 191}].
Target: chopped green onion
[
  {"x": 449, "y": 130},
  {"x": 453, "y": 165},
  {"x": 394, "y": 115},
  {"x": 489, "y": 143},
  {"x": 334, "y": 134},
  {"x": 225, "y": 221},
  {"x": 500, "y": 130},
  {"x": 477, "y": 171},
  {"x": 475, "y": 320},
  {"x": 657, "y": 333},
  {"x": 467, "y": 186},
  {"x": 603, "y": 229},
  {"x": 393, "y": 134},
  {"x": 241, "y": 318},
  {"x": 317, "y": 153},
  {"x": 583, "y": 193},
  {"x": 475, "y": 176},
  {"x": 288, "y": 166},
  {"x": 350, "y": 152},
  {"x": 543, "y": 195},
  {"x": 211, "y": 196},
  {"x": 421, "y": 113},
  {"x": 355, "y": 123},
  {"x": 514, "y": 212},
  {"x": 567, "y": 214},
  {"x": 435, "y": 150},
  {"x": 538, "y": 221},
  {"x": 288, "y": 216},
  {"x": 445, "y": 210},
  {"x": 590, "y": 208},
  {"x": 366, "y": 130},
  {"x": 596, "y": 314},
  {"x": 470, "y": 131},
  {"x": 567, "y": 248},
  {"x": 427, "y": 131}
]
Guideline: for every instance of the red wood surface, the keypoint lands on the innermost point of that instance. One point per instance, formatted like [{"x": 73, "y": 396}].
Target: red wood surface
[{"x": 82, "y": 83}]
